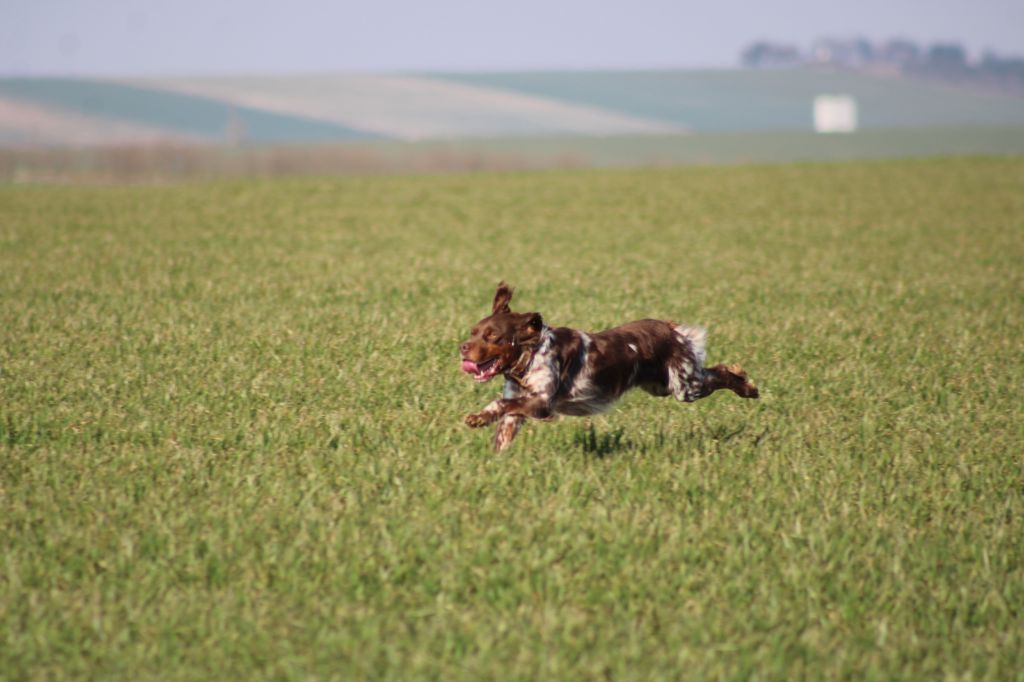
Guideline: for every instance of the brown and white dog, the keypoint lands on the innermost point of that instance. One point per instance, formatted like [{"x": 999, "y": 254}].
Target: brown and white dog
[{"x": 556, "y": 370}]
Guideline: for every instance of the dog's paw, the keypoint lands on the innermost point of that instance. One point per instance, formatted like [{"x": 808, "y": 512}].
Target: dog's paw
[
  {"x": 475, "y": 421},
  {"x": 743, "y": 386}
]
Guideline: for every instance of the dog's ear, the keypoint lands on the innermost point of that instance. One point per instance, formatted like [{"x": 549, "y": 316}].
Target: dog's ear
[
  {"x": 528, "y": 326},
  {"x": 502, "y": 297}
]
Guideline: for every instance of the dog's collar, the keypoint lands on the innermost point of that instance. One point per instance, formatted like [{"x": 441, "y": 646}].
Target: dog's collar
[{"x": 517, "y": 372}]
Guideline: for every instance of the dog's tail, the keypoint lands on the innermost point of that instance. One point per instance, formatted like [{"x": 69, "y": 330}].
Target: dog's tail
[{"x": 696, "y": 338}]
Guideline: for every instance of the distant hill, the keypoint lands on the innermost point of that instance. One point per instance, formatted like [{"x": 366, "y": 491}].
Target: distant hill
[
  {"x": 66, "y": 110},
  {"x": 755, "y": 100},
  {"x": 449, "y": 106}
]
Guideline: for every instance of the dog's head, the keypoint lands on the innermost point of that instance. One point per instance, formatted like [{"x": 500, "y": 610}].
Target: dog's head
[{"x": 497, "y": 342}]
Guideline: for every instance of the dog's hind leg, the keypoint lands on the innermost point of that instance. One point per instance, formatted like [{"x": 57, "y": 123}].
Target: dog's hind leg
[
  {"x": 689, "y": 379},
  {"x": 507, "y": 429},
  {"x": 731, "y": 377}
]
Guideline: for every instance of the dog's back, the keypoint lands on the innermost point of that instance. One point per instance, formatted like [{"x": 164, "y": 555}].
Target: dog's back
[{"x": 658, "y": 356}]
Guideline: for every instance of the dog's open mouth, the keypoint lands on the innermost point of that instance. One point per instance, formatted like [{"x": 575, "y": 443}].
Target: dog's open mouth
[{"x": 483, "y": 371}]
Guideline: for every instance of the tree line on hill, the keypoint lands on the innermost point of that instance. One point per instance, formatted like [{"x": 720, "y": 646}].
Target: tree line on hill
[{"x": 946, "y": 61}]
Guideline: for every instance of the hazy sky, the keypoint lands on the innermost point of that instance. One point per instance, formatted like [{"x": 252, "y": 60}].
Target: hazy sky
[{"x": 132, "y": 37}]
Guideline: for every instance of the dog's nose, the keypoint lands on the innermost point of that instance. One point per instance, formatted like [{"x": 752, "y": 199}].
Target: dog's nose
[{"x": 464, "y": 348}]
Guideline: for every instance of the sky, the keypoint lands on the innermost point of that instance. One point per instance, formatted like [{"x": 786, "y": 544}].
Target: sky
[{"x": 197, "y": 37}]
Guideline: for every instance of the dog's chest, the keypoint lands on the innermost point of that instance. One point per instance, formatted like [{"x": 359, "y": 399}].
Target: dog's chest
[
  {"x": 542, "y": 376},
  {"x": 579, "y": 395}
]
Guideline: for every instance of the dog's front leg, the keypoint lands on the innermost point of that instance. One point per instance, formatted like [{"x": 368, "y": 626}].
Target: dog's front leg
[
  {"x": 488, "y": 415},
  {"x": 507, "y": 429},
  {"x": 534, "y": 407}
]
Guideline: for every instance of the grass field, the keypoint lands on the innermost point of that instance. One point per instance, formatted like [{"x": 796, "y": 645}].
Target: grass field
[{"x": 231, "y": 441}]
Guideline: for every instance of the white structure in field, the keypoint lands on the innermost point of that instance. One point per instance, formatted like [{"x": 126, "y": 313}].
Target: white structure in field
[{"x": 835, "y": 114}]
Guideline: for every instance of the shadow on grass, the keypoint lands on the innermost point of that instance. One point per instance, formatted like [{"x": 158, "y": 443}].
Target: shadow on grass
[
  {"x": 605, "y": 444},
  {"x": 609, "y": 443}
]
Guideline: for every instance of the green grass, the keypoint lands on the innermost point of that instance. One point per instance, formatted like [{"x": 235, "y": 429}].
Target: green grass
[{"x": 231, "y": 441}]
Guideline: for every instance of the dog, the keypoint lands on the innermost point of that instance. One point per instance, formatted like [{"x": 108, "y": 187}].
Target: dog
[{"x": 557, "y": 370}]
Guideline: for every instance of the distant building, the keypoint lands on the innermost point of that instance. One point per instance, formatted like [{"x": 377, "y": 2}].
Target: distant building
[
  {"x": 853, "y": 53},
  {"x": 901, "y": 54},
  {"x": 835, "y": 114},
  {"x": 897, "y": 57}
]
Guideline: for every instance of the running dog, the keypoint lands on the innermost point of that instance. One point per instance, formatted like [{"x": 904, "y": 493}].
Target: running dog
[{"x": 556, "y": 370}]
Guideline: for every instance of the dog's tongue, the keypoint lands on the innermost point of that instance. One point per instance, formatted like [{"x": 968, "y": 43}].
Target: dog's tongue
[{"x": 469, "y": 366}]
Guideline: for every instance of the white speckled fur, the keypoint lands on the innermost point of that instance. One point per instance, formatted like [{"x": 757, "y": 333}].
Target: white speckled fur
[
  {"x": 584, "y": 397},
  {"x": 697, "y": 338},
  {"x": 541, "y": 377},
  {"x": 493, "y": 408},
  {"x": 685, "y": 378},
  {"x": 508, "y": 427}
]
